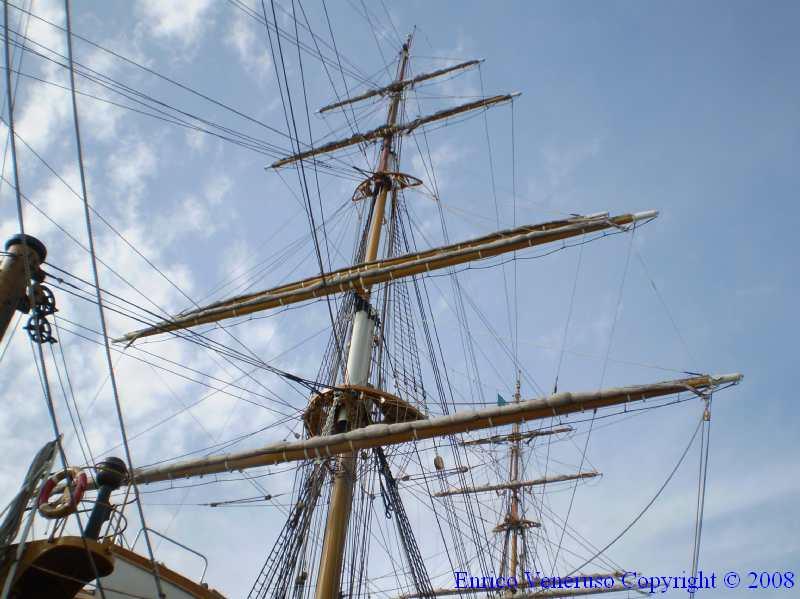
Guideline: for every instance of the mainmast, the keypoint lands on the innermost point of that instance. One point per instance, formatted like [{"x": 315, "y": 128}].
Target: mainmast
[{"x": 358, "y": 366}]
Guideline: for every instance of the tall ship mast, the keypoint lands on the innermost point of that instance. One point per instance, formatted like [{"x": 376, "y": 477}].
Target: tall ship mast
[{"x": 379, "y": 436}]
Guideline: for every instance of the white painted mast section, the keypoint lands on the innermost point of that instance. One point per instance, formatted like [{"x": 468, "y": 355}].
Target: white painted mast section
[{"x": 360, "y": 348}]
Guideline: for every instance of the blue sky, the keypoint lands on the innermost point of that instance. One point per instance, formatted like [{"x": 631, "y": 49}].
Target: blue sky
[{"x": 689, "y": 108}]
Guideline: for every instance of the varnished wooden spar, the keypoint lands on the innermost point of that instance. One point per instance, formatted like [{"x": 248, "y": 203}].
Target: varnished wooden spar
[
  {"x": 399, "y": 129},
  {"x": 362, "y": 276},
  {"x": 552, "y": 593},
  {"x": 516, "y": 484},
  {"x": 513, "y": 437},
  {"x": 377, "y": 435},
  {"x": 400, "y": 85}
]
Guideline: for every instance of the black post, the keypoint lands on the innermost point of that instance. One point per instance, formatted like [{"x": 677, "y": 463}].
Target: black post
[{"x": 110, "y": 474}]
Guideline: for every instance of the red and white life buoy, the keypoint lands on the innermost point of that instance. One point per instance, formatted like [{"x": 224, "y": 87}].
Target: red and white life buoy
[{"x": 67, "y": 503}]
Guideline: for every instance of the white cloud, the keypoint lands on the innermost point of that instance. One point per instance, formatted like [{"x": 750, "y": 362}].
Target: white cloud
[
  {"x": 247, "y": 38},
  {"x": 43, "y": 108},
  {"x": 200, "y": 215},
  {"x": 217, "y": 188},
  {"x": 183, "y": 21},
  {"x": 131, "y": 164},
  {"x": 195, "y": 139},
  {"x": 561, "y": 161},
  {"x": 99, "y": 119},
  {"x": 194, "y": 215},
  {"x": 442, "y": 158},
  {"x": 236, "y": 260}
]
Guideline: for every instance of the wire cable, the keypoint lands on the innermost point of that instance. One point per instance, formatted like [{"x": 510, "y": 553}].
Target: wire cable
[
  {"x": 42, "y": 370},
  {"x": 99, "y": 296}
]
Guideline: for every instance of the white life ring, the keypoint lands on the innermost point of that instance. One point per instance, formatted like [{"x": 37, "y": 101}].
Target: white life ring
[{"x": 67, "y": 503}]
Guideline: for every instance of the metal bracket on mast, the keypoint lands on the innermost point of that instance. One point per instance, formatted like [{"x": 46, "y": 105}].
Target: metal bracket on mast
[{"x": 38, "y": 327}]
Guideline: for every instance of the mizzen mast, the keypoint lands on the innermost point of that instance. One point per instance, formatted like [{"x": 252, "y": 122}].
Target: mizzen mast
[{"x": 516, "y": 524}]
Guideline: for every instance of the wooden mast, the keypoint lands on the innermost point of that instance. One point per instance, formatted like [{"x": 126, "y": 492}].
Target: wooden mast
[
  {"x": 514, "y": 477},
  {"x": 358, "y": 366}
]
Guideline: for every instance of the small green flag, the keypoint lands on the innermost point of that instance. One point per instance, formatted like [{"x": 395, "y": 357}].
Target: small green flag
[{"x": 500, "y": 400}]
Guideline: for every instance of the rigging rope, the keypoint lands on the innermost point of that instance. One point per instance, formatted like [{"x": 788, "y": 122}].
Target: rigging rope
[
  {"x": 602, "y": 378},
  {"x": 394, "y": 505},
  {"x": 569, "y": 318},
  {"x": 99, "y": 296},
  {"x": 646, "y": 507},
  {"x": 705, "y": 440},
  {"x": 511, "y": 328},
  {"x": 153, "y": 72},
  {"x": 312, "y": 223},
  {"x": 41, "y": 365}
]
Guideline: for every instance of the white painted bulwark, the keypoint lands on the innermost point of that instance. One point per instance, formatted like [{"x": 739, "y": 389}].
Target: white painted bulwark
[{"x": 133, "y": 576}]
